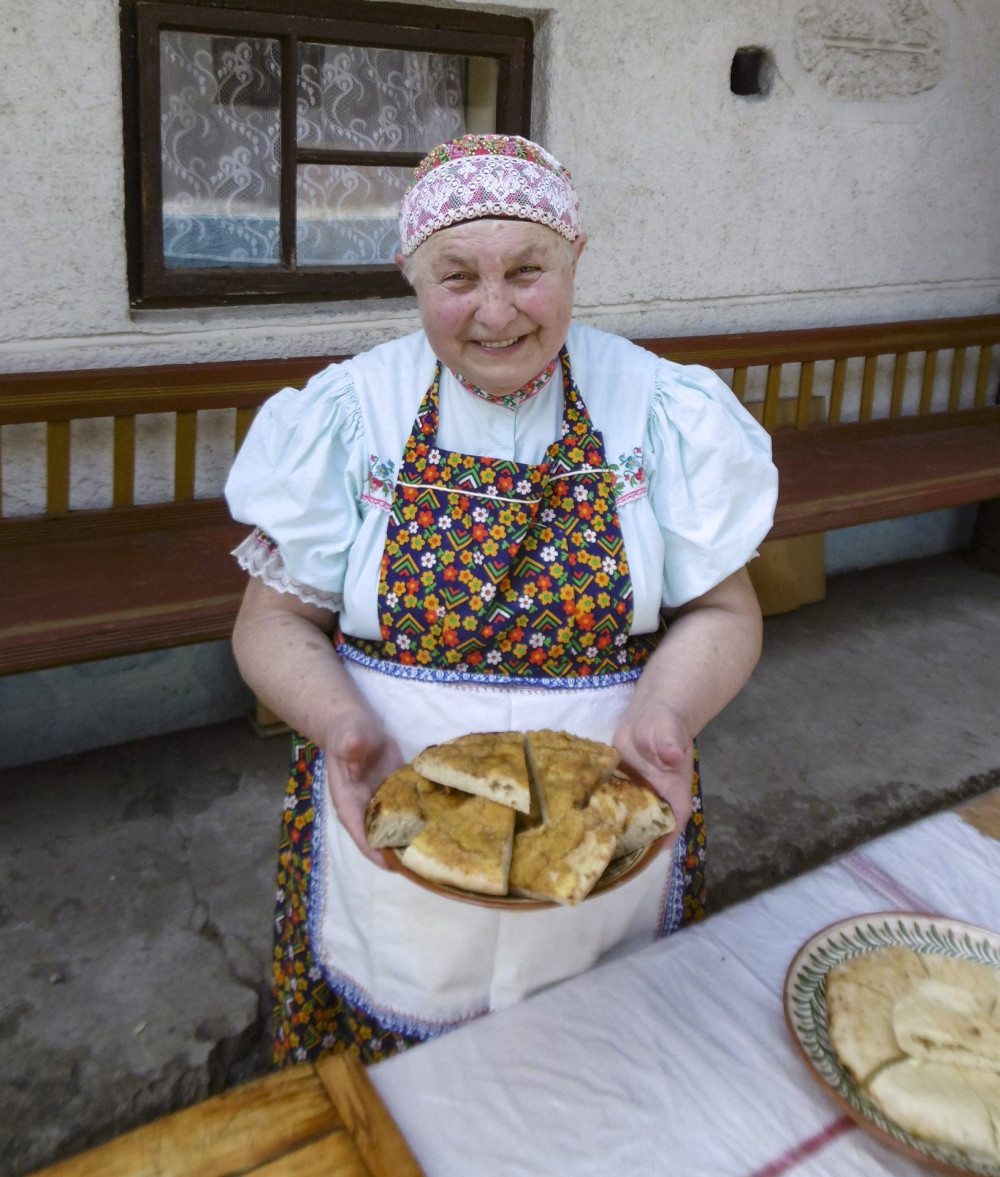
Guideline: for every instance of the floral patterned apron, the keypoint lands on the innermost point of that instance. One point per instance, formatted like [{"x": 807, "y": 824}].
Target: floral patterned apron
[
  {"x": 493, "y": 571},
  {"x": 500, "y": 568}
]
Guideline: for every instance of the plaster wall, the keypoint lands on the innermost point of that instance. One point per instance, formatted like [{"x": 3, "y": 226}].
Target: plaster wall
[{"x": 706, "y": 211}]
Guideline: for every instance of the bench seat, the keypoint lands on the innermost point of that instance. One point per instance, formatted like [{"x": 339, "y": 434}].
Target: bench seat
[
  {"x": 864, "y": 472},
  {"x": 101, "y": 584}
]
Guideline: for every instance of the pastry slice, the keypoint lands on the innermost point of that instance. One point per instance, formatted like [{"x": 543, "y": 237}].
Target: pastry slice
[
  {"x": 861, "y": 993},
  {"x": 647, "y": 815},
  {"x": 488, "y": 764},
  {"x": 561, "y": 861},
  {"x": 958, "y": 1106},
  {"x": 401, "y": 806},
  {"x": 566, "y": 769},
  {"x": 468, "y": 846},
  {"x": 941, "y": 1022}
]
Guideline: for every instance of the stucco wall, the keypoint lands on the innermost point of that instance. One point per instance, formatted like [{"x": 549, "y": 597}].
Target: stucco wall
[{"x": 706, "y": 211}]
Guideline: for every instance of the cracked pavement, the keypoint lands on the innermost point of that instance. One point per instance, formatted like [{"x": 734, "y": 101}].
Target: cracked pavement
[
  {"x": 137, "y": 885},
  {"x": 136, "y": 882}
]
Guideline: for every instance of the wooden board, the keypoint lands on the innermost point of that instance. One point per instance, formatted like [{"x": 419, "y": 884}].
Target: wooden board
[{"x": 303, "y": 1121}]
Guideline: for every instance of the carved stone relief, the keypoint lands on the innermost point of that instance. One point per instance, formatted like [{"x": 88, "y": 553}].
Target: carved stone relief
[{"x": 871, "y": 50}]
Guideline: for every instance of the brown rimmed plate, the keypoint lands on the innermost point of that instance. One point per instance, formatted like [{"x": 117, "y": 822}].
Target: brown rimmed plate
[
  {"x": 805, "y": 1014},
  {"x": 618, "y": 872}
]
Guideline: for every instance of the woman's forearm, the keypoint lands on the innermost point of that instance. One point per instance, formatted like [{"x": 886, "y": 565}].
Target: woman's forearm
[
  {"x": 285, "y": 655},
  {"x": 706, "y": 656}
]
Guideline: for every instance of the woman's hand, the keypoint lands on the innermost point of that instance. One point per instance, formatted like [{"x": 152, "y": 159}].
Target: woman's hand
[
  {"x": 286, "y": 657},
  {"x": 359, "y": 756},
  {"x": 657, "y": 749},
  {"x": 704, "y": 659}
]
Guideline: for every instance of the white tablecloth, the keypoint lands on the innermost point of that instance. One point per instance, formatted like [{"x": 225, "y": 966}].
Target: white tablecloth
[{"x": 676, "y": 1060}]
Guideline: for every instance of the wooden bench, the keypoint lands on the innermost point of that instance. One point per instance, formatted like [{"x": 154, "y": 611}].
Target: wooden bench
[
  {"x": 299, "y": 1122},
  {"x": 869, "y": 423}
]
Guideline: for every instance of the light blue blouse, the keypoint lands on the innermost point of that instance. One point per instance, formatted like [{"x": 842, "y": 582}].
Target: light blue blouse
[{"x": 696, "y": 484}]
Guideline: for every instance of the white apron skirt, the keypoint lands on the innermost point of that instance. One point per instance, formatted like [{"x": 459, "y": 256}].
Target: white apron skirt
[{"x": 420, "y": 962}]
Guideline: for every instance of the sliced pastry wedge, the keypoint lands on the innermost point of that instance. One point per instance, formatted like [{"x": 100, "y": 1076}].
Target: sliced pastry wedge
[
  {"x": 562, "y": 860},
  {"x": 401, "y": 806},
  {"x": 566, "y": 769},
  {"x": 488, "y": 764},
  {"x": 647, "y": 815},
  {"x": 468, "y": 846}
]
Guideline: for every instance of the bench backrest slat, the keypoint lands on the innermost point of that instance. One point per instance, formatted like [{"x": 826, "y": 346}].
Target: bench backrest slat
[{"x": 123, "y": 473}]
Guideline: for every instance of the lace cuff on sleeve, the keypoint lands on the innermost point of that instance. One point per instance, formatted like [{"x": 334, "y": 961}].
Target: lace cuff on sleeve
[{"x": 258, "y": 554}]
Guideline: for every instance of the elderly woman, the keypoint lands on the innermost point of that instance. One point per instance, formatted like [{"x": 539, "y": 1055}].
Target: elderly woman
[{"x": 500, "y": 522}]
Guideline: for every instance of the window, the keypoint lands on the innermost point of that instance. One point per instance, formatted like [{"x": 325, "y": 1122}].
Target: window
[{"x": 266, "y": 152}]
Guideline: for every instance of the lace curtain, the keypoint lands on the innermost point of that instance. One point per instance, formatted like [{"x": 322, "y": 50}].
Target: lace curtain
[{"x": 221, "y": 145}]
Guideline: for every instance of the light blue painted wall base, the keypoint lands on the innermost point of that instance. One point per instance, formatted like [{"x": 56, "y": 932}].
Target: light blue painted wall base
[
  {"x": 70, "y": 709},
  {"x": 850, "y": 549}
]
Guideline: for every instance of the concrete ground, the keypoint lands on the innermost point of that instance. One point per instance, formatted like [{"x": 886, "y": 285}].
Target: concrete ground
[{"x": 137, "y": 880}]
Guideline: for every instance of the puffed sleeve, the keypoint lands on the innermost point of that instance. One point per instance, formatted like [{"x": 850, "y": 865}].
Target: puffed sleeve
[
  {"x": 298, "y": 477},
  {"x": 712, "y": 485}
]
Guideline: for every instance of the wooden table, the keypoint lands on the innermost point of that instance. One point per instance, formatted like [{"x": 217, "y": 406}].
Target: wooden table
[
  {"x": 306, "y": 1121},
  {"x": 325, "y": 1120}
]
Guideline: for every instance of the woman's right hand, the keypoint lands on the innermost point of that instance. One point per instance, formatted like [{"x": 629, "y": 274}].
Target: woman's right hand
[
  {"x": 359, "y": 755},
  {"x": 283, "y": 648}
]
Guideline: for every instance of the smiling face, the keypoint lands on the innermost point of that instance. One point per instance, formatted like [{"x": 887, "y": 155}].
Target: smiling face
[{"x": 495, "y": 298}]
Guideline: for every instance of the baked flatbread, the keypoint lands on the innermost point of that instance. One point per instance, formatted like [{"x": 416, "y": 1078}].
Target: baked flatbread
[
  {"x": 401, "y": 806},
  {"x": 562, "y": 860},
  {"x": 468, "y": 846},
  {"x": 959, "y": 1106},
  {"x": 860, "y": 995},
  {"x": 488, "y": 764},
  {"x": 566, "y": 769},
  {"x": 945, "y": 1023},
  {"x": 647, "y": 816},
  {"x": 979, "y": 979}
]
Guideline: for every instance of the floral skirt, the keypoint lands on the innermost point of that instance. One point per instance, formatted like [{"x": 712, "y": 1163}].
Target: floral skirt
[{"x": 311, "y": 1019}]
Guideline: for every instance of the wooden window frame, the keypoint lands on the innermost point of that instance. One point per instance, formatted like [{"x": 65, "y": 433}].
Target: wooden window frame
[{"x": 508, "y": 40}]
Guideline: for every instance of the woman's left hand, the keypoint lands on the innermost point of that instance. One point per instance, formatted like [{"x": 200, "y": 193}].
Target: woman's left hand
[
  {"x": 656, "y": 749},
  {"x": 711, "y": 646}
]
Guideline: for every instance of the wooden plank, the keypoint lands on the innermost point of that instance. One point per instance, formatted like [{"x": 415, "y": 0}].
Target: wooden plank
[
  {"x": 868, "y": 388},
  {"x": 927, "y": 383},
  {"x": 235, "y": 1132},
  {"x": 161, "y": 388},
  {"x": 957, "y": 376},
  {"x": 898, "y": 384},
  {"x": 837, "y": 391},
  {"x": 102, "y": 595},
  {"x": 378, "y": 1140},
  {"x": 185, "y": 443},
  {"x": 755, "y": 349},
  {"x": 123, "y": 474},
  {"x": 983, "y": 813},
  {"x": 57, "y": 458},
  {"x": 805, "y": 402},
  {"x": 983, "y": 376},
  {"x": 771, "y": 396},
  {"x": 333, "y": 1156},
  {"x": 831, "y": 484}
]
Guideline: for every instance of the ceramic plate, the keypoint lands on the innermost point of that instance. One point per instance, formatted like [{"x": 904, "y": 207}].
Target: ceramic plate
[
  {"x": 805, "y": 1013},
  {"x": 619, "y": 871}
]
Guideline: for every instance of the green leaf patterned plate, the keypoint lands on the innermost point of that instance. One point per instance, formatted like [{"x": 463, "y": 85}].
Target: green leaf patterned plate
[{"x": 805, "y": 1013}]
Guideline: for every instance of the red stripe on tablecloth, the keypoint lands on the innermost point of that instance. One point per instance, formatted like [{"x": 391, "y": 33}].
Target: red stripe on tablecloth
[
  {"x": 862, "y": 867},
  {"x": 806, "y": 1149}
]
